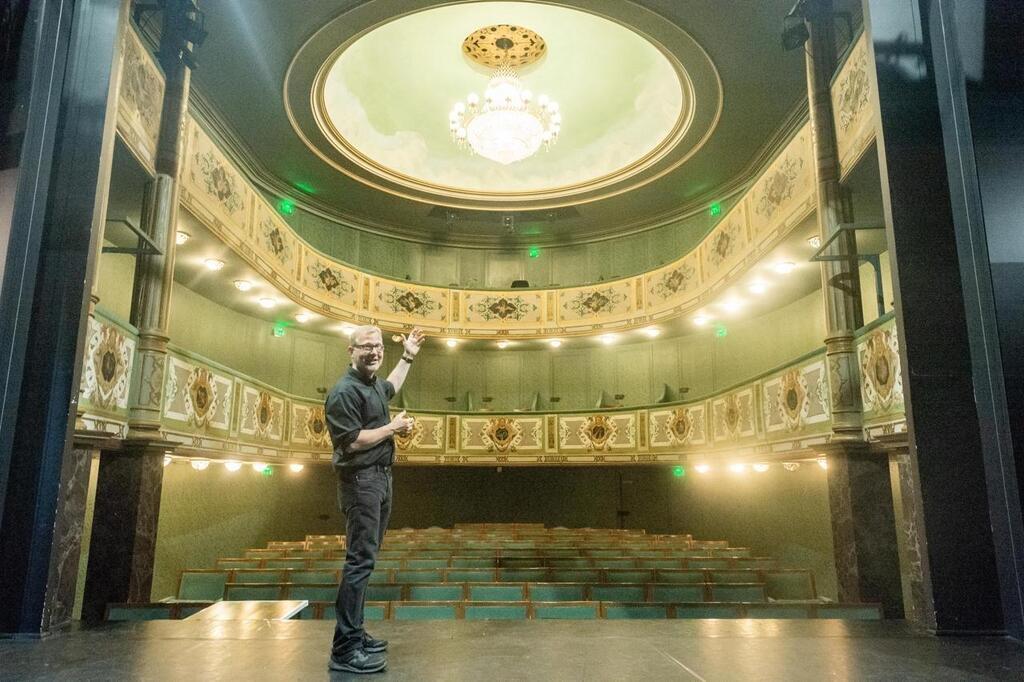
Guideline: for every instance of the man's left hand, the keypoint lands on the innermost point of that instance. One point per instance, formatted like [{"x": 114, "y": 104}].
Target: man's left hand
[{"x": 413, "y": 341}]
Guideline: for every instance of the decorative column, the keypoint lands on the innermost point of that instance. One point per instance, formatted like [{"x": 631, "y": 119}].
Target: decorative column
[
  {"x": 123, "y": 545},
  {"x": 860, "y": 498}
]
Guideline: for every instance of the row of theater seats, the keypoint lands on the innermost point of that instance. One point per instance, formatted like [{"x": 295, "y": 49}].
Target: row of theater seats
[{"x": 516, "y": 571}]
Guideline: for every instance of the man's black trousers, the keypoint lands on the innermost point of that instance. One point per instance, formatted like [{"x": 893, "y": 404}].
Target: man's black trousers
[{"x": 365, "y": 498}]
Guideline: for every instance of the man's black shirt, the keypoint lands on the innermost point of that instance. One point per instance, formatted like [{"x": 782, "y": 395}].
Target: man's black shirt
[{"x": 355, "y": 404}]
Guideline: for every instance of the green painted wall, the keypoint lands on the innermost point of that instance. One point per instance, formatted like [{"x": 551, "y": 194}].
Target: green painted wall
[
  {"x": 300, "y": 362},
  {"x": 216, "y": 513},
  {"x": 568, "y": 265}
]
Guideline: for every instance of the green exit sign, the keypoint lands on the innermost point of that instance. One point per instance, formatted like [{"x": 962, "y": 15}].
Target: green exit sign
[
  {"x": 678, "y": 471},
  {"x": 715, "y": 209},
  {"x": 279, "y": 330},
  {"x": 721, "y": 332}
]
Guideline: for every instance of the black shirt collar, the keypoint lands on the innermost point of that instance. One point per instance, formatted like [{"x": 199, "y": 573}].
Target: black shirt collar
[{"x": 354, "y": 373}]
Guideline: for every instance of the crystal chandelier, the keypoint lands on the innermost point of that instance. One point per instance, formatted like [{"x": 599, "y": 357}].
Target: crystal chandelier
[{"x": 507, "y": 124}]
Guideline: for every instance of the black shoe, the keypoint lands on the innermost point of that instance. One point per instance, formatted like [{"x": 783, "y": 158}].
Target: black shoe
[
  {"x": 358, "y": 661},
  {"x": 374, "y": 646}
]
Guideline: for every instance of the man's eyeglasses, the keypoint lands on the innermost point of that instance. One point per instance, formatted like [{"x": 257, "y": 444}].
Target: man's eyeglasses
[{"x": 370, "y": 347}]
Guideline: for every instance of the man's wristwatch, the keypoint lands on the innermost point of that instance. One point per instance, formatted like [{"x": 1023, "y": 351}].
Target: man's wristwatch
[{"x": 407, "y": 358}]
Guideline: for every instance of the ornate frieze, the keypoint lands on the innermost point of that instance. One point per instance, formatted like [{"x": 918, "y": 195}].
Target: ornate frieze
[
  {"x": 852, "y": 93},
  {"x": 140, "y": 99}
]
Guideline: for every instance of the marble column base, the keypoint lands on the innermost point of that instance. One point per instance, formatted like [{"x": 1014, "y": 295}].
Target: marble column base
[
  {"x": 123, "y": 544},
  {"x": 67, "y": 539},
  {"x": 864, "y": 529}
]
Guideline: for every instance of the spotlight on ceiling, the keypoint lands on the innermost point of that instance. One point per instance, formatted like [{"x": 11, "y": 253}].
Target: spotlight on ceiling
[
  {"x": 785, "y": 267},
  {"x": 243, "y": 284},
  {"x": 267, "y": 303},
  {"x": 232, "y": 465},
  {"x": 180, "y": 237},
  {"x": 213, "y": 264}
]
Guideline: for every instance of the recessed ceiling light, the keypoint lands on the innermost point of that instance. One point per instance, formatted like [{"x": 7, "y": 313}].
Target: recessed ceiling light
[
  {"x": 757, "y": 287},
  {"x": 213, "y": 263},
  {"x": 451, "y": 343},
  {"x": 302, "y": 317},
  {"x": 731, "y": 304},
  {"x": 652, "y": 331},
  {"x": 701, "y": 320},
  {"x": 702, "y": 468},
  {"x": 785, "y": 267},
  {"x": 555, "y": 343},
  {"x": 259, "y": 467},
  {"x": 823, "y": 463},
  {"x": 267, "y": 303},
  {"x": 814, "y": 241},
  {"x": 737, "y": 468},
  {"x": 347, "y": 329},
  {"x": 243, "y": 284},
  {"x": 761, "y": 467},
  {"x": 608, "y": 339},
  {"x": 232, "y": 466},
  {"x": 200, "y": 464},
  {"x": 180, "y": 237},
  {"x": 296, "y": 467},
  {"x": 503, "y": 344}
]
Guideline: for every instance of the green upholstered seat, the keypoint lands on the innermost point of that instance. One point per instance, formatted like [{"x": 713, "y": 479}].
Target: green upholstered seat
[
  {"x": 708, "y": 611},
  {"x": 615, "y": 562},
  {"x": 738, "y": 592},
  {"x": 659, "y": 563},
  {"x": 522, "y": 562},
  {"x": 572, "y": 562},
  {"x": 202, "y": 585},
  {"x": 734, "y": 575},
  {"x": 380, "y": 576},
  {"x": 630, "y": 593},
  {"x": 496, "y": 611},
  {"x": 284, "y": 563},
  {"x": 377, "y": 592},
  {"x": 264, "y": 553},
  {"x": 237, "y": 563},
  {"x": 123, "y": 612},
  {"x": 790, "y": 585},
  {"x": 473, "y": 562},
  {"x": 312, "y": 592},
  {"x": 259, "y": 575},
  {"x": 330, "y": 564},
  {"x": 679, "y": 575},
  {"x": 470, "y": 575},
  {"x": 499, "y": 592},
  {"x": 677, "y": 593},
  {"x": 425, "y": 611},
  {"x": 252, "y": 592},
  {"x": 421, "y": 575},
  {"x": 556, "y": 591},
  {"x": 574, "y": 575},
  {"x": 523, "y": 575},
  {"x": 584, "y": 611},
  {"x": 436, "y": 593},
  {"x": 426, "y": 563},
  {"x": 707, "y": 563},
  {"x": 629, "y": 575},
  {"x": 635, "y": 611}
]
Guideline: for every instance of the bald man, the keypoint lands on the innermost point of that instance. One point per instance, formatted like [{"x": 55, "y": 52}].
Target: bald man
[{"x": 362, "y": 433}]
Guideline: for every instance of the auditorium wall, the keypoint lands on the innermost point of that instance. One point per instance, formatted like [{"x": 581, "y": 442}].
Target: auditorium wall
[
  {"x": 556, "y": 265},
  {"x": 215, "y": 513},
  {"x": 576, "y": 373}
]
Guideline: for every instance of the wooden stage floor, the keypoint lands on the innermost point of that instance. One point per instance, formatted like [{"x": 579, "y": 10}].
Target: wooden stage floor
[{"x": 522, "y": 650}]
